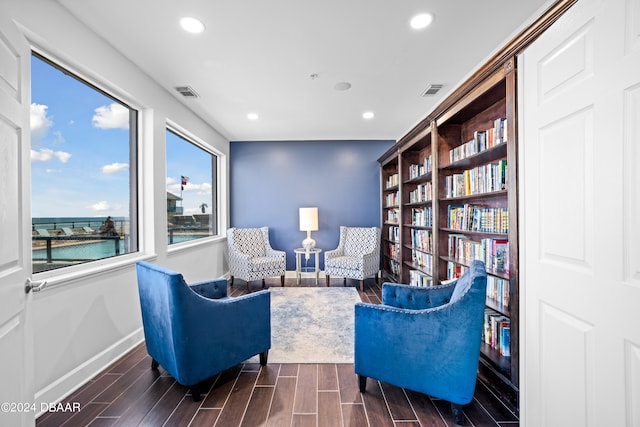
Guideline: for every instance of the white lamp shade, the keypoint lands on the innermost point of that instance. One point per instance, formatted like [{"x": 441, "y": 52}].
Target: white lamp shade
[{"x": 308, "y": 219}]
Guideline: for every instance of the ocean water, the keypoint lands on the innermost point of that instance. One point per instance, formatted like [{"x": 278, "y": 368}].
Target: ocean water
[{"x": 93, "y": 250}]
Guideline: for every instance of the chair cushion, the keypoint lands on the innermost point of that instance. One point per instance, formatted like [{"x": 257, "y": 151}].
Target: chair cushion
[
  {"x": 268, "y": 266},
  {"x": 249, "y": 241},
  {"x": 345, "y": 262}
]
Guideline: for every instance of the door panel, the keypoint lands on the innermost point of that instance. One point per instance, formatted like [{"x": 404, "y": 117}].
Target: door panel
[
  {"x": 16, "y": 341},
  {"x": 579, "y": 122}
]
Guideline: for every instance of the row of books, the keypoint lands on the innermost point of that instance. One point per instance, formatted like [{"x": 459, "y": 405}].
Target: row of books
[
  {"x": 478, "y": 218},
  {"x": 394, "y": 250},
  {"x": 497, "y": 332},
  {"x": 482, "y": 179},
  {"x": 391, "y": 199},
  {"x": 418, "y": 278},
  {"x": 422, "y": 193},
  {"x": 423, "y": 260},
  {"x": 482, "y": 141},
  {"x": 393, "y": 215},
  {"x": 394, "y": 267},
  {"x": 422, "y": 240},
  {"x": 417, "y": 170},
  {"x": 392, "y": 180},
  {"x": 497, "y": 288},
  {"x": 422, "y": 217},
  {"x": 394, "y": 233},
  {"x": 493, "y": 252}
]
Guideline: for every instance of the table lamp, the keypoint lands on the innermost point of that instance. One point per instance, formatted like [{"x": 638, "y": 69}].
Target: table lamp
[{"x": 308, "y": 223}]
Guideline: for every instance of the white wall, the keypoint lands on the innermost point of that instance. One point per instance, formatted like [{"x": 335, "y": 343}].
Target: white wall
[{"x": 86, "y": 318}]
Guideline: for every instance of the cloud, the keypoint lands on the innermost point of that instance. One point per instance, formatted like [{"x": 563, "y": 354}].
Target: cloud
[
  {"x": 114, "y": 168},
  {"x": 174, "y": 186},
  {"x": 40, "y": 123},
  {"x": 113, "y": 116},
  {"x": 47, "y": 154},
  {"x": 100, "y": 206}
]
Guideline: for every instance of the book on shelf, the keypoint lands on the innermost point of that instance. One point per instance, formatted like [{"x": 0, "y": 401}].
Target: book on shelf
[
  {"x": 392, "y": 180},
  {"x": 393, "y": 215},
  {"x": 497, "y": 287},
  {"x": 422, "y": 193},
  {"x": 422, "y": 260},
  {"x": 482, "y": 140},
  {"x": 482, "y": 179},
  {"x": 416, "y": 170},
  {"x": 422, "y": 217},
  {"x": 497, "y": 332},
  {"x": 478, "y": 218},
  {"x": 391, "y": 199},
  {"x": 422, "y": 240},
  {"x": 419, "y": 278},
  {"x": 394, "y": 233}
]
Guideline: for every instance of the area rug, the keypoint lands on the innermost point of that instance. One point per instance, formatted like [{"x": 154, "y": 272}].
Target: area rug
[{"x": 312, "y": 325}]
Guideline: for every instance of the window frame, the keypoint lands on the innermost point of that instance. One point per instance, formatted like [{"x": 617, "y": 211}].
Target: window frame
[
  {"x": 136, "y": 115},
  {"x": 191, "y": 138}
]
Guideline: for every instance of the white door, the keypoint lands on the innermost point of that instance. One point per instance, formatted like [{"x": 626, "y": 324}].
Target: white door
[
  {"x": 16, "y": 342},
  {"x": 579, "y": 124}
]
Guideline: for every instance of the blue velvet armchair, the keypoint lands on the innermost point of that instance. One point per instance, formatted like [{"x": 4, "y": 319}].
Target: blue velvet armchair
[
  {"x": 195, "y": 331},
  {"x": 424, "y": 339}
]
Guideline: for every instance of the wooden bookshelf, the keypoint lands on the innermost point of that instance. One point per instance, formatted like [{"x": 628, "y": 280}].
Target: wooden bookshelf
[
  {"x": 461, "y": 168},
  {"x": 390, "y": 220}
]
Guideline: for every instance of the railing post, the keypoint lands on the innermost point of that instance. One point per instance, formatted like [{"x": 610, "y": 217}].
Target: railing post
[
  {"x": 117, "y": 240},
  {"x": 49, "y": 251}
]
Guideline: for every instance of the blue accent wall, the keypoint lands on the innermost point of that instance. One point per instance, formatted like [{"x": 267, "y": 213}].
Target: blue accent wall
[{"x": 271, "y": 180}]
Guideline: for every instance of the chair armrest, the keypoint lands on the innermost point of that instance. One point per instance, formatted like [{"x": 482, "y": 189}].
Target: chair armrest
[
  {"x": 415, "y": 297},
  {"x": 214, "y": 289},
  {"x": 334, "y": 253},
  {"x": 275, "y": 253}
]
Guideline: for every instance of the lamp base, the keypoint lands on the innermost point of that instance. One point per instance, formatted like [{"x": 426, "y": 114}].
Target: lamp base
[{"x": 308, "y": 244}]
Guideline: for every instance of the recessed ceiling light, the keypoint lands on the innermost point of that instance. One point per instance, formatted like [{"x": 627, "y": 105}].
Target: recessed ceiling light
[
  {"x": 342, "y": 86},
  {"x": 192, "y": 25},
  {"x": 252, "y": 116},
  {"x": 368, "y": 115},
  {"x": 421, "y": 21}
]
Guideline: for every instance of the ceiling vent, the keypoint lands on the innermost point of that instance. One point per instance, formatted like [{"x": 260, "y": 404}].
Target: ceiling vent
[
  {"x": 432, "y": 89},
  {"x": 186, "y": 91}
]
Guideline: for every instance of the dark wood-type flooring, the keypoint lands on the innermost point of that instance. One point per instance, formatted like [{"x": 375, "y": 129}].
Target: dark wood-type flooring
[{"x": 130, "y": 393}]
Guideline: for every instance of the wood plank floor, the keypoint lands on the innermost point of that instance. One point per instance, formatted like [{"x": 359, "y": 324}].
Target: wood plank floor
[{"x": 129, "y": 393}]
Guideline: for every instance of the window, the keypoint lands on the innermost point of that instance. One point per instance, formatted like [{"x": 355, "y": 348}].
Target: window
[
  {"x": 83, "y": 170},
  {"x": 191, "y": 192}
]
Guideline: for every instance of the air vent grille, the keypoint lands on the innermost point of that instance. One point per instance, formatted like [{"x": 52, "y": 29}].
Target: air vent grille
[
  {"x": 186, "y": 91},
  {"x": 432, "y": 89}
]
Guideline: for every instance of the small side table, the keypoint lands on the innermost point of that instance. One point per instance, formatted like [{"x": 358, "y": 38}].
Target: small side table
[{"x": 299, "y": 268}]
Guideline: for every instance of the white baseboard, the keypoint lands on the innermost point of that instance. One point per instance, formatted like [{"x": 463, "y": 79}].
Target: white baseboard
[{"x": 70, "y": 382}]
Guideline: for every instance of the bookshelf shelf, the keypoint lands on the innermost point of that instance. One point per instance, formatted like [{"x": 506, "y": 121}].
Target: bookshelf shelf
[{"x": 457, "y": 169}]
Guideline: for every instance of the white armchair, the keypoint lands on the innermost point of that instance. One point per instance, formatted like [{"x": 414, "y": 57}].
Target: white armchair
[
  {"x": 357, "y": 255},
  {"x": 251, "y": 256}
]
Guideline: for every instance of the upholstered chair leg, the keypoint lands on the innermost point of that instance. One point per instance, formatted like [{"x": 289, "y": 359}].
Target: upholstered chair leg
[
  {"x": 362, "y": 285},
  {"x": 377, "y": 279},
  {"x": 231, "y": 282},
  {"x": 362, "y": 383},
  {"x": 282, "y": 281},
  {"x": 327, "y": 279},
  {"x": 263, "y": 357},
  {"x": 154, "y": 364},
  {"x": 195, "y": 392},
  {"x": 262, "y": 283},
  {"x": 344, "y": 281},
  {"x": 458, "y": 417}
]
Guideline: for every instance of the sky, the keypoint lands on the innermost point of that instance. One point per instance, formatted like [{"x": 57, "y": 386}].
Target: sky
[{"x": 80, "y": 152}]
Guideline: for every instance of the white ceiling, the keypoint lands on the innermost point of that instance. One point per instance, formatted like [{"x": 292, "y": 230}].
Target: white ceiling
[{"x": 258, "y": 56}]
